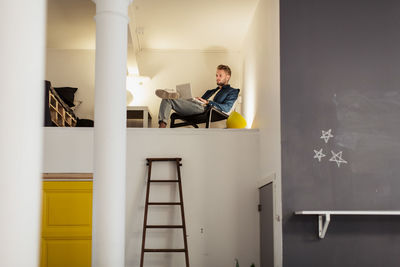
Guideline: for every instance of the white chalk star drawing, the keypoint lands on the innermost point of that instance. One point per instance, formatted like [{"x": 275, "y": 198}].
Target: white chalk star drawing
[
  {"x": 337, "y": 157},
  {"x": 318, "y": 154},
  {"x": 326, "y": 135}
]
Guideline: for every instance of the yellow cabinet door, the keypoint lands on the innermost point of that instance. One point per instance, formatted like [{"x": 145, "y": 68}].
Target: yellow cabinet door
[{"x": 66, "y": 224}]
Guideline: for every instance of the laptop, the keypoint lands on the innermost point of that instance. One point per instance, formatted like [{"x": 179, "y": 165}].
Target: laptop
[{"x": 185, "y": 92}]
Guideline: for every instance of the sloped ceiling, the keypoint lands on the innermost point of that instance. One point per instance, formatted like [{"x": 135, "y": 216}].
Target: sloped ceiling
[
  {"x": 156, "y": 24},
  {"x": 70, "y": 24},
  {"x": 192, "y": 24}
]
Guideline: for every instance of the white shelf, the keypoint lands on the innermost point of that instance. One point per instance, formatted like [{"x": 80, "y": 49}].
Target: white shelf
[
  {"x": 324, "y": 216},
  {"x": 134, "y": 112}
]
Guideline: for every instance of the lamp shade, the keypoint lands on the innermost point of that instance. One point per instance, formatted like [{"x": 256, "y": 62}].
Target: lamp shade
[
  {"x": 129, "y": 97},
  {"x": 235, "y": 120}
]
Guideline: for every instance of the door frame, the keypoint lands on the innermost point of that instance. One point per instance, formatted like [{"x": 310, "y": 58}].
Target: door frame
[{"x": 277, "y": 214}]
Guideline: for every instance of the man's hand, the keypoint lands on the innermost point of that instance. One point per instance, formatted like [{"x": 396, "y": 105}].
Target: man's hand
[{"x": 202, "y": 100}]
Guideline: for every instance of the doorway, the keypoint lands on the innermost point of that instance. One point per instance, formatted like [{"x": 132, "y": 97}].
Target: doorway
[{"x": 267, "y": 225}]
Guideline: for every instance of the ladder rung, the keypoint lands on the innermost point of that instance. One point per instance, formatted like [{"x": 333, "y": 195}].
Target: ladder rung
[
  {"x": 164, "y": 181},
  {"x": 164, "y": 226},
  {"x": 164, "y": 159},
  {"x": 164, "y": 203},
  {"x": 164, "y": 250}
]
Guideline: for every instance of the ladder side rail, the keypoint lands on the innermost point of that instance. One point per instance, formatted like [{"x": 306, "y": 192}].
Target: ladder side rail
[
  {"x": 178, "y": 164},
  {"x": 149, "y": 163}
]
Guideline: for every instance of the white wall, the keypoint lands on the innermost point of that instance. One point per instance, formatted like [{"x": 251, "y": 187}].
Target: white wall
[
  {"x": 73, "y": 68},
  {"x": 261, "y": 96},
  {"x": 220, "y": 173},
  {"x": 262, "y": 83},
  {"x": 22, "y": 31}
]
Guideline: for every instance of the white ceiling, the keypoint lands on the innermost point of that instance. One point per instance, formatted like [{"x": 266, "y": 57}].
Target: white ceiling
[
  {"x": 70, "y": 24},
  {"x": 156, "y": 24}
]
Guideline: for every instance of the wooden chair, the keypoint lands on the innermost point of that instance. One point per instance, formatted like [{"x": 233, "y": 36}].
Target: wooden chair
[{"x": 211, "y": 114}]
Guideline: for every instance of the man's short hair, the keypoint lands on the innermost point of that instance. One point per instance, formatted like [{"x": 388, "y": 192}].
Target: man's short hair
[{"x": 225, "y": 68}]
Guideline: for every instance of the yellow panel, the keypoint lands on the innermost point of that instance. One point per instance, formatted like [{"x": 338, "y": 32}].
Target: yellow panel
[
  {"x": 66, "y": 224},
  {"x": 67, "y": 209},
  {"x": 71, "y": 208},
  {"x": 69, "y": 185},
  {"x": 66, "y": 253}
]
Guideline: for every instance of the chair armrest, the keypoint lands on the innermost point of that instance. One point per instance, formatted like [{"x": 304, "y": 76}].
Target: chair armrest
[{"x": 219, "y": 112}]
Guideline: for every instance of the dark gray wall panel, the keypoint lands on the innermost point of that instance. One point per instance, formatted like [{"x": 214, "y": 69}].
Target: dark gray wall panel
[{"x": 340, "y": 70}]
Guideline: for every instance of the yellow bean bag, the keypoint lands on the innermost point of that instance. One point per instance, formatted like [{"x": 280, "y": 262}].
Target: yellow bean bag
[{"x": 236, "y": 121}]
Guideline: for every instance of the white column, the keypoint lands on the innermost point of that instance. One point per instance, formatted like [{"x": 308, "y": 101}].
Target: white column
[
  {"x": 108, "y": 245},
  {"x": 22, "y": 47}
]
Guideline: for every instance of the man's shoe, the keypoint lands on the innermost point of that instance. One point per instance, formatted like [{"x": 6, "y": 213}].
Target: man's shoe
[
  {"x": 162, "y": 125},
  {"x": 164, "y": 94}
]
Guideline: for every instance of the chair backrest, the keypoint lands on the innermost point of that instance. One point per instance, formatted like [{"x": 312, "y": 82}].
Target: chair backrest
[{"x": 233, "y": 107}]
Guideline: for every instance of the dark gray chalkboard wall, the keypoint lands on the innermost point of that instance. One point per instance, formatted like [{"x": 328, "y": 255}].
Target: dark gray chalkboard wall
[{"x": 340, "y": 70}]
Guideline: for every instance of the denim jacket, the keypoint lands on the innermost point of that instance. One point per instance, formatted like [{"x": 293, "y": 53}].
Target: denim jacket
[{"x": 224, "y": 99}]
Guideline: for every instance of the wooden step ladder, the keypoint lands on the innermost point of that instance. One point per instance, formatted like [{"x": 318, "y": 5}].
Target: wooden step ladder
[{"x": 180, "y": 203}]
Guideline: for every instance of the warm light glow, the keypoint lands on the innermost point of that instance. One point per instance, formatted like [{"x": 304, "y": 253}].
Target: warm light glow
[
  {"x": 129, "y": 97},
  {"x": 135, "y": 85},
  {"x": 133, "y": 70},
  {"x": 249, "y": 98}
]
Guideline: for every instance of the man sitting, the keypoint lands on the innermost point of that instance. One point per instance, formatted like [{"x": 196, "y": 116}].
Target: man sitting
[{"x": 223, "y": 97}]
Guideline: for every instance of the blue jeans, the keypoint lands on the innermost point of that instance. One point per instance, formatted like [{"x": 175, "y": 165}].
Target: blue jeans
[{"x": 182, "y": 106}]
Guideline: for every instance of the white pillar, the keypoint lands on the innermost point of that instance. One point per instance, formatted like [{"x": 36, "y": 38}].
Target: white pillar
[
  {"x": 22, "y": 47},
  {"x": 108, "y": 245}
]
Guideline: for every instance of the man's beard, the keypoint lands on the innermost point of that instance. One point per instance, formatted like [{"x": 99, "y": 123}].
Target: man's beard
[{"x": 221, "y": 83}]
